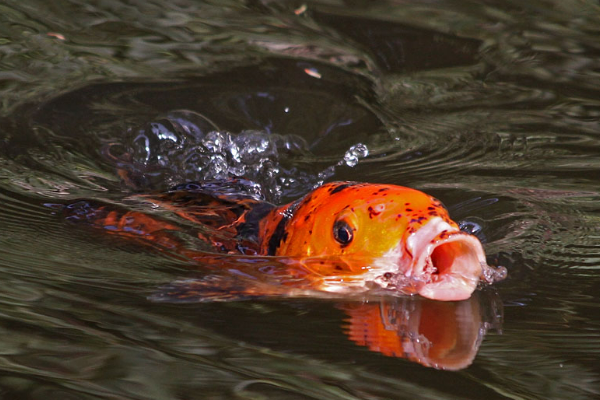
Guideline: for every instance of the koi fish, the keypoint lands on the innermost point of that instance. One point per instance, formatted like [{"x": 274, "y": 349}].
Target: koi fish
[
  {"x": 377, "y": 233},
  {"x": 346, "y": 236}
]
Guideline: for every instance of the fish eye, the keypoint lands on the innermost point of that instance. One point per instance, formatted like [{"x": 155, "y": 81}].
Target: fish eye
[{"x": 342, "y": 232}]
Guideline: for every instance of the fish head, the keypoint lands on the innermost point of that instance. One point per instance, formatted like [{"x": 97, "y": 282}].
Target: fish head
[{"x": 385, "y": 234}]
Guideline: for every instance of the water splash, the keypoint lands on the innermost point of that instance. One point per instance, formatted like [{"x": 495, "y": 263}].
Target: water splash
[
  {"x": 186, "y": 146},
  {"x": 491, "y": 274},
  {"x": 350, "y": 159}
]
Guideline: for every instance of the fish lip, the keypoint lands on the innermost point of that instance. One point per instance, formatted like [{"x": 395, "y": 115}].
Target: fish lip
[{"x": 450, "y": 280}]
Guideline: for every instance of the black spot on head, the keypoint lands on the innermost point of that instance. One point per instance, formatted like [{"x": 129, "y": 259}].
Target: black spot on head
[
  {"x": 280, "y": 231},
  {"x": 341, "y": 187},
  {"x": 430, "y": 208},
  {"x": 409, "y": 209},
  {"x": 373, "y": 213},
  {"x": 338, "y": 268}
]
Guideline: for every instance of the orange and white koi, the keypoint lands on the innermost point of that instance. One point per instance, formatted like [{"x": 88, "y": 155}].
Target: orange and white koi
[
  {"x": 360, "y": 233},
  {"x": 348, "y": 236}
]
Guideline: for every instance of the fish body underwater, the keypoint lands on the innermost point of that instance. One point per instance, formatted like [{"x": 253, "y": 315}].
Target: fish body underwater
[{"x": 347, "y": 237}]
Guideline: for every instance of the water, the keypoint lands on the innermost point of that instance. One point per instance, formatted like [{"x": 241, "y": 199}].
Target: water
[{"x": 491, "y": 107}]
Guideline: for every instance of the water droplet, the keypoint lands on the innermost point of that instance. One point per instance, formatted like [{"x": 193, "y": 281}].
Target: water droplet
[
  {"x": 354, "y": 154},
  {"x": 493, "y": 274}
]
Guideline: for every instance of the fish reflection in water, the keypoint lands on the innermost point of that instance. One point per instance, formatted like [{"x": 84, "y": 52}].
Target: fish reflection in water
[
  {"x": 443, "y": 335},
  {"x": 437, "y": 334}
]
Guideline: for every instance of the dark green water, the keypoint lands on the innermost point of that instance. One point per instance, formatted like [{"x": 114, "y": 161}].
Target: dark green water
[{"x": 492, "y": 107}]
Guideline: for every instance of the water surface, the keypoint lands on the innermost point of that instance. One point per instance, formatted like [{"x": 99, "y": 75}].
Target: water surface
[{"x": 492, "y": 107}]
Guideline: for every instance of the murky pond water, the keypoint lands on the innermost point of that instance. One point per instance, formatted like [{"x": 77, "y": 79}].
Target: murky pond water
[{"x": 492, "y": 107}]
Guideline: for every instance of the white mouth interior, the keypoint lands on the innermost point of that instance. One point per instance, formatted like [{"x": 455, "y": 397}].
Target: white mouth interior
[{"x": 447, "y": 262}]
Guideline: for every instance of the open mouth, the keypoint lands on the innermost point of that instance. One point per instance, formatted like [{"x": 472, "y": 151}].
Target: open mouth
[{"x": 447, "y": 263}]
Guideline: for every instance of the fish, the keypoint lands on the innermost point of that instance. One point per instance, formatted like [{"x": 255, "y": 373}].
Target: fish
[
  {"x": 384, "y": 234},
  {"x": 340, "y": 238}
]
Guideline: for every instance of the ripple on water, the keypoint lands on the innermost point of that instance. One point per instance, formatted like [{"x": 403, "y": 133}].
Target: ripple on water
[
  {"x": 276, "y": 104},
  {"x": 490, "y": 107}
]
